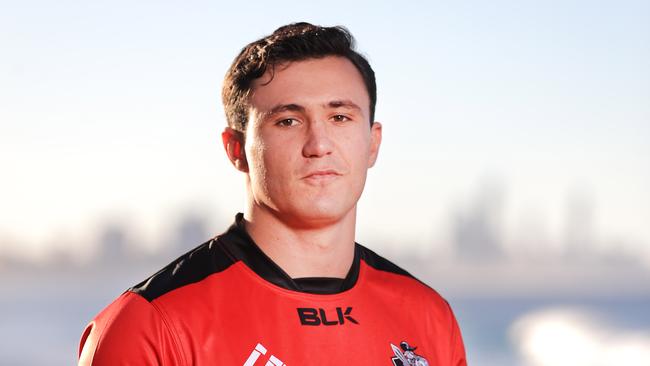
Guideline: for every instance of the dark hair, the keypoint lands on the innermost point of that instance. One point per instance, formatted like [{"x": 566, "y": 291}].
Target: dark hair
[{"x": 292, "y": 42}]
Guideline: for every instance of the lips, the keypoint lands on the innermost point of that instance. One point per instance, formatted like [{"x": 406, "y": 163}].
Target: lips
[
  {"x": 322, "y": 173},
  {"x": 321, "y": 176}
]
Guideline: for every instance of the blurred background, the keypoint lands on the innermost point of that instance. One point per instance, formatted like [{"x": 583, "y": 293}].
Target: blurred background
[{"x": 514, "y": 173}]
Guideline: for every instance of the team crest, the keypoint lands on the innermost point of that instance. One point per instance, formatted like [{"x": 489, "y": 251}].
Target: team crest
[{"x": 406, "y": 356}]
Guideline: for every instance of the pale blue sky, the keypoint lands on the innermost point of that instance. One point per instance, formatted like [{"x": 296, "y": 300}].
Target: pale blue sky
[{"x": 112, "y": 110}]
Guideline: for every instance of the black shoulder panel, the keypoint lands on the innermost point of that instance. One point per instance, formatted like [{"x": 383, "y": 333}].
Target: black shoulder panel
[
  {"x": 193, "y": 266},
  {"x": 380, "y": 263}
]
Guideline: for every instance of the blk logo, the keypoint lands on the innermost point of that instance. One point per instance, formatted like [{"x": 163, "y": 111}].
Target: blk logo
[{"x": 315, "y": 317}]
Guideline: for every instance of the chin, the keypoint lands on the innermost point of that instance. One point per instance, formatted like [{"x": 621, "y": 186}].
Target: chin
[{"x": 315, "y": 215}]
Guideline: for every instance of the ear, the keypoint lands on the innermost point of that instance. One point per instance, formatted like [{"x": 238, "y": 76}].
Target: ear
[
  {"x": 375, "y": 142},
  {"x": 233, "y": 143}
]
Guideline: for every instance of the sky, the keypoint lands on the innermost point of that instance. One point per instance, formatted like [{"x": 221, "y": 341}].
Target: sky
[{"x": 536, "y": 113}]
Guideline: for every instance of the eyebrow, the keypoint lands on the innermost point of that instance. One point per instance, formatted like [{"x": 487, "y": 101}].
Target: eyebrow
[
  {"x": 284, "y": 108},
  {"x": 292, "y": 107},
  {"x": 279, "y": 108},
  {"x": 343, "y": 104}
]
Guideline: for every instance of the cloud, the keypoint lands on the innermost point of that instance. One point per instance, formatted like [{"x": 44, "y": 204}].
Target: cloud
[{"x": 573, "y": 336}]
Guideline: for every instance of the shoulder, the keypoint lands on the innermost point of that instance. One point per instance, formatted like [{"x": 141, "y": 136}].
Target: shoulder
[
  {"x": 390, "y": 284},
  {"x": 206, "y": 259},
  {"x": 380, "y": 263},
  {"x": 390, "y": 277},
  {"x": 129, "y": 328},
  {"x": 137, "y": 327}
]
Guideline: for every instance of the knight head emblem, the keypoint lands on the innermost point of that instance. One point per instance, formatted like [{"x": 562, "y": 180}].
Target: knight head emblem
[{"x": 405, "y": 356}]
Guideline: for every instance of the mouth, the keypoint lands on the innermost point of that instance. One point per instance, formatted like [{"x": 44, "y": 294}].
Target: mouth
[{"x": 323, "y": 176}]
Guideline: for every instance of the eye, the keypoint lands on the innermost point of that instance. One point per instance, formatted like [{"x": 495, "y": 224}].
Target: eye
[
  {"x": 287, "y": 122},
  {"x": 340, "y": 118}
]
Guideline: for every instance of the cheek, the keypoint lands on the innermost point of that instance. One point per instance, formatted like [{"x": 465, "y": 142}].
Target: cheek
[
  {"x": 269, "y": 165},
  {"x": 358, "y": 152},
  {"x": 255, "y": 157},
  {"x": 276, "y": 156}
]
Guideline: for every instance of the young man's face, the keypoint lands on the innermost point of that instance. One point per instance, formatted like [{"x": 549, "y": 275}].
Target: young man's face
[{"x": 309, "y": 141}]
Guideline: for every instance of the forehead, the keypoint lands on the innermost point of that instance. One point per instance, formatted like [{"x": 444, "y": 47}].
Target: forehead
[{"x": 310, "y": 82}]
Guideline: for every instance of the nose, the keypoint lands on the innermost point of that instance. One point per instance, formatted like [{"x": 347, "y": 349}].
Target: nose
[{"x": 318, "y": 142}]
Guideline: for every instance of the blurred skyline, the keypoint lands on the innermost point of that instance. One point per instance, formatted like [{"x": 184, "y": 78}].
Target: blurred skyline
[{"x": 476, "y": 263}]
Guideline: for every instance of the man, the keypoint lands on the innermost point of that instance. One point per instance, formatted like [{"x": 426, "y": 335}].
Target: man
[{"x": 286, "y": 284}]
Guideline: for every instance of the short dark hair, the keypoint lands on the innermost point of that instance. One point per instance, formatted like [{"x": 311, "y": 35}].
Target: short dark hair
[{"x": 292, "y": 42}]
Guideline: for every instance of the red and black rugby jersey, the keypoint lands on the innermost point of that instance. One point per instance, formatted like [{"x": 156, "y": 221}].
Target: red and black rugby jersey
[{"x": 227, "y": 303}]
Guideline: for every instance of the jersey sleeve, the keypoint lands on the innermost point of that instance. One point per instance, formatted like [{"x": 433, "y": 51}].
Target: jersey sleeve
[
  {"x": 130, "y": 331},
  {"x": 458, "y": 357}
]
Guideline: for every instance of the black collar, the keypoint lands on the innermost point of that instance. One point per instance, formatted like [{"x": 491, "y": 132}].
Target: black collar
[{"x": 241, "y": 247}]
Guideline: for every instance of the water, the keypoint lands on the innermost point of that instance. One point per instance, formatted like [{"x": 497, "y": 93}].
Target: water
[{"x": 485, "y": 322}]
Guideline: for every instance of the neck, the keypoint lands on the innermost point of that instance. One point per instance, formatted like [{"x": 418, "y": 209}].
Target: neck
[{"x": 307, "y": 251}]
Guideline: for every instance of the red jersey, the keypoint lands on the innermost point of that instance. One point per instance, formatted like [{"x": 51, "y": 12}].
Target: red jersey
[{"x": 227, "y": 303}]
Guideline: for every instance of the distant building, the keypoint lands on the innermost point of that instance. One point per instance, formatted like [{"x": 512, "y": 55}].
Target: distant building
[
  {"x": 476, "y": 229},
  {"x": 113, "y": 245}
]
